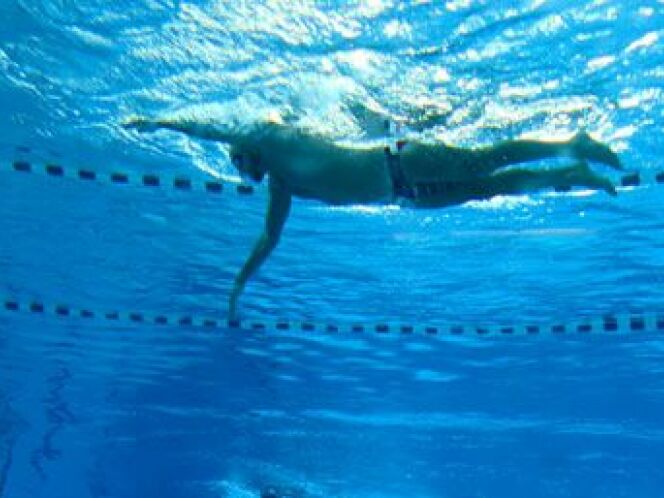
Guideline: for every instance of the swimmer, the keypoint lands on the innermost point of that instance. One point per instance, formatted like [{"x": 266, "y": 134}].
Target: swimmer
[{"x": 414, "y": 173}]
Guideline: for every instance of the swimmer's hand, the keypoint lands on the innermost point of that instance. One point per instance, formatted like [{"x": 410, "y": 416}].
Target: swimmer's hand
[
  {"x": 232, "y": 302},
  {"x": 141, "y": 124},
  {"x": 193, "y": 128}
]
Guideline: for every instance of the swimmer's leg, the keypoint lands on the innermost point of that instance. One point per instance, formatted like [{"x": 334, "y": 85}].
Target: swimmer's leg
[
  {"x": 582, "y": 147},
  {"x": 511, "y": 182},
  {"x": 520, "y": 181}
]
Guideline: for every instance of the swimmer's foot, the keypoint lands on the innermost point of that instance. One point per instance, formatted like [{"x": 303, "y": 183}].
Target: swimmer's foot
[
  {"x": 584, "y": 147},
  {"x": 580, "y": 175}
]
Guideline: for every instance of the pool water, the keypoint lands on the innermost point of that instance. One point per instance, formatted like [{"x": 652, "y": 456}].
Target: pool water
[{"x": 95, "y": 407}]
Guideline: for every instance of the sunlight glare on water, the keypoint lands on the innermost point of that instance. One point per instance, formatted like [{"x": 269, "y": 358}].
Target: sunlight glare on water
[{"x": 101, "y": 408}]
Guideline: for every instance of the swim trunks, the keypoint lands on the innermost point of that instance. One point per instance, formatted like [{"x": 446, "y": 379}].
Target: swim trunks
[{"x": 403, "y": 190}]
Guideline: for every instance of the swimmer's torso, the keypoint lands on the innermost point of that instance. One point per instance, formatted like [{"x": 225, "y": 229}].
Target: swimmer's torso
[{"x": 314, "y": 168}]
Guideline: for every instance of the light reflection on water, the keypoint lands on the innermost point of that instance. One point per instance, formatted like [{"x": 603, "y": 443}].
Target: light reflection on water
[{"x": 139, "y": 411}]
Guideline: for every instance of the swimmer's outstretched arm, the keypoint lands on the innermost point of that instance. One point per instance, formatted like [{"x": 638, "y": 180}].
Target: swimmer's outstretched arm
[
  {"x": 277, "y": 212},
  {"x": 191, "y": 127}
]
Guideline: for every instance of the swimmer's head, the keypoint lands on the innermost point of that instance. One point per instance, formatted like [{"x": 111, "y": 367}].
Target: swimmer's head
[{"x": 248, "y": 163}]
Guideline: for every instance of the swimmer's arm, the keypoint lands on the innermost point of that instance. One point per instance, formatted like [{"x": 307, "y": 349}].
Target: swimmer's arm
[
  {"x": 191, "y": 127},
  {"x": 277, "y": 212}
]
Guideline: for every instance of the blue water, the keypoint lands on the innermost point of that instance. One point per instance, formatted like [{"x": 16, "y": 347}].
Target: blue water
[{"x": 91, "y": 408}]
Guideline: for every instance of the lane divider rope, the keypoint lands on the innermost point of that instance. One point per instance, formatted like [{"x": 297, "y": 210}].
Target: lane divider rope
[
  {"x": 149, "y": 180},
  {"x": 614, "y": 324},
  {"x": 185, "y": 183},
  {"x": 617, "y": 324}
]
